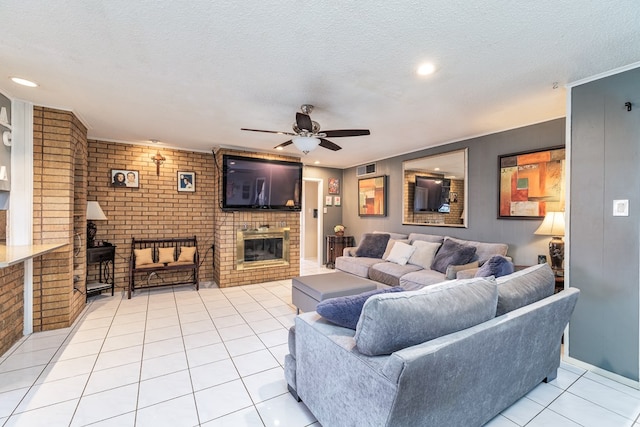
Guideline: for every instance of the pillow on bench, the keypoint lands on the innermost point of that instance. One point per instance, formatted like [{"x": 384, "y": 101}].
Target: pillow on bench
[
  {"x": 143, "y": 257},
  {"x": 392, "y": 322},
  {"x": 187, "y": 253},
  {"x": 165, "y": 255}
]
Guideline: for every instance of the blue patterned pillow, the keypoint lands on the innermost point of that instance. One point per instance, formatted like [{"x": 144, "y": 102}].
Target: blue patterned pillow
[
  {"x": 345, "y": 311},
  {"x": 496, "y": 266}
]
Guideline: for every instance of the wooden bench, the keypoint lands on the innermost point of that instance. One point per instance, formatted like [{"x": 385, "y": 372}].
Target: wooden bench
[{"x": 164, "y": 256}]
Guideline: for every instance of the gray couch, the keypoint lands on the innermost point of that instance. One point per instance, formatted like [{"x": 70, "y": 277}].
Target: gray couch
[
  {"x": 454, "y": 354},
  {"x": 413, "y": 275}
]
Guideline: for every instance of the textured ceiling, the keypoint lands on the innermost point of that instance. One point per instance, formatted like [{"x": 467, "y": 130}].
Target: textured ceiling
[{"x": 191, "y": 74}]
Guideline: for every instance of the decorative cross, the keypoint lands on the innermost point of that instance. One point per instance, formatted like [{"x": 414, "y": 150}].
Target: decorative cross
[{"x": 158, "y": 159}]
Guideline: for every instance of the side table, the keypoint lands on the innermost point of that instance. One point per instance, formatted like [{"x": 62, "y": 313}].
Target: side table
[
  {"x": 105, "y": 257},
  {"x": 335, "y": 246}
]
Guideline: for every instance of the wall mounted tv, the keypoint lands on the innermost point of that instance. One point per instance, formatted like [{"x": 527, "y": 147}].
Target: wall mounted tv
[
  {"x": 250, "y": 183},
  {"x": 431, "y": 194}
]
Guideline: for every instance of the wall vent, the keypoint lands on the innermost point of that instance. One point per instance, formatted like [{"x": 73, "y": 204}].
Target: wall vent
[{"x": 366, "y": 169}]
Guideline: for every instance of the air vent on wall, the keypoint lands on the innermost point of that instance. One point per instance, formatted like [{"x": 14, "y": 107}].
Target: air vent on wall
[{"x": 366, "y": 169}]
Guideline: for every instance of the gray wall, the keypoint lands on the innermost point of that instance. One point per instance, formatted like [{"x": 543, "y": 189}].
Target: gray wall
[
  {"x": 604, "y": 249},
  {"x": 482, "y": 205},
  {"x": 334, "y": 213}
]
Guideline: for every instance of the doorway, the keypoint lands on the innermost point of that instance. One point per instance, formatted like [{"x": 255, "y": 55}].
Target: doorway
[{"x": 311, "y": 221}]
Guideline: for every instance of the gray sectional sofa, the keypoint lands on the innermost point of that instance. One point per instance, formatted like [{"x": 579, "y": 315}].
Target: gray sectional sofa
[
  {"x": 417, "y": 273},
  {"x": 453, "y": 354}
]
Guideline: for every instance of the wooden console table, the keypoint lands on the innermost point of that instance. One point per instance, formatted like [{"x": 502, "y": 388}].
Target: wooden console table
[{"x": 335, "y": 246}]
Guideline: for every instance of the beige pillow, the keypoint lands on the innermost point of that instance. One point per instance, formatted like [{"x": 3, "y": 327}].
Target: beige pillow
[
  {"x": 424, "y": 253},
  {"x": 143, "y": 256},
  {"x": 187, "y": 254},
  {"x": 390, "y": 244},
  {"x": 165, "y": 255},
  {"x": 400, "y": 253}
]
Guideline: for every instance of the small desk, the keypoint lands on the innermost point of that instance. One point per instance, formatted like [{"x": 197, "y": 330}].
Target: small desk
[
  {"x": 335, "y": 246},
  {"x": 105, "y": 257}
]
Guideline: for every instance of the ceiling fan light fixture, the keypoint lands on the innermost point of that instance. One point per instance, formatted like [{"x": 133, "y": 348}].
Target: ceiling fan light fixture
[{"x": 305, "y": 144}]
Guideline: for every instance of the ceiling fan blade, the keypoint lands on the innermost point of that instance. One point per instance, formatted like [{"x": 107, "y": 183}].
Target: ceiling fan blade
[
  {"x": 284, "y": 144},
  {"x": 346, "y": 132},
  {"x": 304, "y": 122},
  {"x": 270, "y": 131},
  {"x": 330, "y": 145}
]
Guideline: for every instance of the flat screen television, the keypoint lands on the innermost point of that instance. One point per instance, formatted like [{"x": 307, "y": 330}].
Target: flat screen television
[
  {"x": 259, "y": 184},
  {"x": 431, "y": 194}
]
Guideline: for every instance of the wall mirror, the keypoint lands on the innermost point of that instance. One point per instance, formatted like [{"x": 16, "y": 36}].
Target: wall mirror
[{"x": 435, "y": 190}]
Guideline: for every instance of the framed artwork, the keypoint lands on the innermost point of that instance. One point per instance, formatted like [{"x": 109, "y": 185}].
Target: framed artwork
[
  {"x": 453, "y": 197},
  {"x": 372, "y": 196},
  {"x": 328, "y": 200},
  {"x": 187, "y": 181},
  {"x": 124, "y": 178},
  {"x": 336, "y": 200},
  {"x": 531, "y": 183},
  {"x": 334, "y": 186}
]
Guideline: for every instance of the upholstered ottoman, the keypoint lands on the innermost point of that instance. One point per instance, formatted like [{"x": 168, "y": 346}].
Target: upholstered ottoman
[{"x": 308, "y": 291}]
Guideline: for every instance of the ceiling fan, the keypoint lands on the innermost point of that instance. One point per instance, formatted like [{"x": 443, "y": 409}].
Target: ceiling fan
[{"x": 307, "y": 136}]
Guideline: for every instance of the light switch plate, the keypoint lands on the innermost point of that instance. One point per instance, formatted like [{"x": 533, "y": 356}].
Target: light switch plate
[
  {"x": 621, "y": 208},
  {"x": 324, "y": 210}
]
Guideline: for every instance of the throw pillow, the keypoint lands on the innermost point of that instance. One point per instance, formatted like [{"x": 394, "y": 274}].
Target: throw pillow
[
  {"x": 452, "y": 253},
  {"x": 345, "y": 311},
  {"x": 424, "y": 253},
  {"x": 497, "y": 266},
  {"x": 390, "y": 244},
  {"x": 372, "y": 245},
  {"x": 187, "y": 253},
  {"x": 165, "y": 255},
  {"x": 400, "y": 253},
  {"x": 392, "y": 322},
  {"x": 143, "y": 256}
]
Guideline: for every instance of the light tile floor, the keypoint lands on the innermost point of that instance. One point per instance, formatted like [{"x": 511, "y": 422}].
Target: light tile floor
[{"x": 175, "y": 357}]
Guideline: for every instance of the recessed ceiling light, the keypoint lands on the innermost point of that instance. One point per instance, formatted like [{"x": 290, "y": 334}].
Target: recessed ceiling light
[
  {"x": 317, "y": 162},
  {"x": 426, "y": 69},
  {"x": 436, "y": 169},
  {"x": 279, "y": 148},
  {"x": 24, "y": 82}
]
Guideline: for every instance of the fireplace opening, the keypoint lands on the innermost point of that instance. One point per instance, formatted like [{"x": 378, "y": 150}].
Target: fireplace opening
[{"x": 258, "y": 248}]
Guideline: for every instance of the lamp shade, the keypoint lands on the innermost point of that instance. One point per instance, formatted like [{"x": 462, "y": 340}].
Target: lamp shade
[
  {"x": 305, "y": 143},
  {"x": 552, "y": 225},
  {"x": 290, "y": 203},
  {"x": 94, "y": 211}
]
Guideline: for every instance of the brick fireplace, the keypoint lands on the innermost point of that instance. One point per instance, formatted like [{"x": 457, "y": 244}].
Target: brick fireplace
[{"x": 229, "y": 269}]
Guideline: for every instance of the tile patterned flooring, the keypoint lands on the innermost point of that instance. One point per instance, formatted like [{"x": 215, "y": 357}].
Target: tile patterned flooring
[{"x": 175, "y": 357}]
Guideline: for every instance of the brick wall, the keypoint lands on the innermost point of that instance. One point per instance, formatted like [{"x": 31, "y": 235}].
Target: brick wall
[
  {"x": 11, "y": 305},
  {"x": 227, "y": 225},
  {"x": 59, "y": 140},
  {"x": 155, "y": 209}
]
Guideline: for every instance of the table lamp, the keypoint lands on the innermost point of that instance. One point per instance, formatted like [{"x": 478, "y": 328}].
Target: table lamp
[
  {"x": 553, "y": 225},
  {"x": 94, "y": 213}
]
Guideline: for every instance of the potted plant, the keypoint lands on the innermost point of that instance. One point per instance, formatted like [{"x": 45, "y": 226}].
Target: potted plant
[{"x": 339, "y": 230}]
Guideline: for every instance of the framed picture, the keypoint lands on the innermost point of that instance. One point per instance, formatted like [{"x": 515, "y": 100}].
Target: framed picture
[
  {"x": 531, "y": 183},
  {"x": 334, "y": 186},
  {"x": 336, "y": 200},
  {"x": 124, "y": 178},
  {"x": 372, "y": 196},
  {"x": 328, "y": 200},
  {"x": 453, "y": 197},
  {"x": 187, "y": 181}
]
